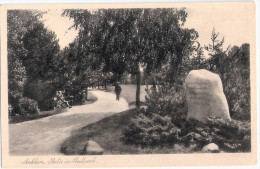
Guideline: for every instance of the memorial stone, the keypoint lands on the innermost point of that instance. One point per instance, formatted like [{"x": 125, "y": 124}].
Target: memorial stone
[{"x": 205, "y": 96}]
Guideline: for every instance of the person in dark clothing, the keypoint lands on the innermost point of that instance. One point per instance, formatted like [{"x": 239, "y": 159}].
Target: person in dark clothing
[{"x": 117, "y": 90}]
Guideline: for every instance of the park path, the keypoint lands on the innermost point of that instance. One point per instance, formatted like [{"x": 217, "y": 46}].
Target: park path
[{"x": 44, "y": 136}]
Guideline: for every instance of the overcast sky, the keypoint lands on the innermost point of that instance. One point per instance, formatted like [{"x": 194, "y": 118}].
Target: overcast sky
[
  {"x": 232, "y": 23},
  {"x": 60, "y": 25}
]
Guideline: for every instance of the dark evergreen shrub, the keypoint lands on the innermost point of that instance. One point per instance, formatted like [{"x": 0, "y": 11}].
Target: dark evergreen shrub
[
  {"x": 151, "y": 130},
  {"x": 42, "y": 92},
  {"x": 167, "y": 101},
  {"x": 159, "y": 123},
  {"x": 230, "y": 136},
  {"x": 163, "y": 122}
]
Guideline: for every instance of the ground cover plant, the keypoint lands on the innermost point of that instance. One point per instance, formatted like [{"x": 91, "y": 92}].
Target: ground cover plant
[
  {"x": 108, "y": 133},
  {"x": 164, "y": 122}
]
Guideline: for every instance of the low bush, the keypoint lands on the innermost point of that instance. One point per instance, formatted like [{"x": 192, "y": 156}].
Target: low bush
[
  {"x": 230, "y": 136},
  {"x": 42, "y": 92},
  {"x": 160, "y": 122},
  {"x": 166, "y": 100},
  {"x": 164, "y": 122},
  {"x": 151, "y": 131},
  {"x": 27, "y": 106}
]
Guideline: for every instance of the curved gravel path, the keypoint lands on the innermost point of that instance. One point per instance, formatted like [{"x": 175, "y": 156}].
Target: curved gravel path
[{"x": 44, "y": 136}]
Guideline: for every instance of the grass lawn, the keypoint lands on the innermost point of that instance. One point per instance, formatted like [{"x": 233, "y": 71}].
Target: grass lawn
[
  {"x": 129, "y": 92},
  {"x": 18, "y": 119},
  {"x": 108, "y": 134}
]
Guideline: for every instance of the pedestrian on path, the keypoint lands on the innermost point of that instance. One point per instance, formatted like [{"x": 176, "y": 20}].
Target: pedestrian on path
[{"x": 118, "y": 90}]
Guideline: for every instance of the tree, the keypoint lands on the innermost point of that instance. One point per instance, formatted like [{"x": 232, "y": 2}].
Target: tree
[
  {"x": 77, "y": 71},
  {"x": 16, "y": 81},
  {"x": 128, "y": 39},
  {"x": 198, "y": 60},
  {"x": 42, "y": 47},
  {"x": 35, "y": 48},
  {"x": 236, "y": 81},
  {"x": 18, "y": 23},
  {"x": 233, "y": 66},
  {"x": 218, "y": 54},
  {"x": 41, "y": 50}
]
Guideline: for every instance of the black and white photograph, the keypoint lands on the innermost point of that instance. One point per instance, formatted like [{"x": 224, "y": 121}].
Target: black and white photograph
[{"x": 133, "y": 80}]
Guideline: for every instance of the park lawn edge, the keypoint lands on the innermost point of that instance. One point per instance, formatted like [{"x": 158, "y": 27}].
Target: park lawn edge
[{"x": 108, "y": 133}]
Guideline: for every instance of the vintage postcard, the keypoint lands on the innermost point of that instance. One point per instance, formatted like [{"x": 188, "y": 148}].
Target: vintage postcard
[{"x": 128, "y": 85}]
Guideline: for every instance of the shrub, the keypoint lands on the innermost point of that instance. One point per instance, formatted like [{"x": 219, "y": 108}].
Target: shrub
[
  {"x": 234, "y": 70},
  {"x": 16, "y": 78},
  {"x": 42, "y": 92},
  {"x": 151, "y": 130},
  {"x": 76, "y": 93},
  {"x": 167, "y": 101},
  {"x": 28, "y": 106},
  {"x": 230, "y": 136},
  {"x": 163, "y": 122},
  {"x": 75, "y": 90},
  {"x": 159, "y": 123}
]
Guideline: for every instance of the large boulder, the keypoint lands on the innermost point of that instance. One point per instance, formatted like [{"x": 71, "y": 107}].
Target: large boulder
[
  {"x": 92, "y": 148},
  {"x": 210, "y": 148},
  {"x": 205, "y": 96}
]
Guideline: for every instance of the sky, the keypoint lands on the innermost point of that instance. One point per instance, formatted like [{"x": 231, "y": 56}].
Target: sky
[
  {"x": 231, "y": 23},
  {"x": 60, "y": 25}
]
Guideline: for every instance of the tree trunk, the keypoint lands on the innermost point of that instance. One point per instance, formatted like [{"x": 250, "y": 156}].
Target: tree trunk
[
  {"x": 146, "y": 84},
  {"x": 86, "y": 94},
  {"x": 154, "y": 85},
  {"x": 138, "y": 85}
]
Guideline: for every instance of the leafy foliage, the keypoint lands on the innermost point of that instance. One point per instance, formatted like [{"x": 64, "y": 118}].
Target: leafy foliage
[
  {"x": 164, "y": 122},
  {"x": 28, "y": 106},
  {"x": 127, "y": 39},
  {"x": 236, "y": 82},
  {"x": 165, "y": 100},
  {"x": 233, "y": 66},
  {"x": 230, "y": 136},
  {"x": 32, "y": 50},
  {"x": 42, "y": 92},
  {"x": 160, "y": 122},
  {"x": 150, "y": 130},
  {"x": 42, "y": 47},
  {"x": 17, "y": 79},
  {"x": 77, "y": 72},
  {"x": 18, "y": 22},
  {"x": 153, "y": 130}
]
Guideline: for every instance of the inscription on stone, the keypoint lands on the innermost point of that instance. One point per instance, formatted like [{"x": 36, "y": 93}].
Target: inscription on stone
[
  {"x": 205, "y": 97},
  {"x": 198, "y": 95}
]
